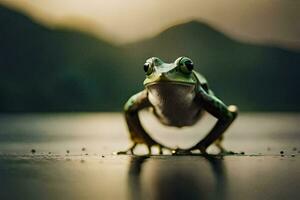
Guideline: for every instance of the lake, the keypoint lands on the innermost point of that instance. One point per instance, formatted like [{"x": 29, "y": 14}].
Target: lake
[{"x": 73, "y": 159}]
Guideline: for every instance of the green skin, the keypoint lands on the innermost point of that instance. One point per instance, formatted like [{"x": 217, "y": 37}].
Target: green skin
[{"x": 178, "y": 96}]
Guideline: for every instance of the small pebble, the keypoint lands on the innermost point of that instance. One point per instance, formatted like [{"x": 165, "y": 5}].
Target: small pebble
[
  {"x": 33, "y": 150},
  {"x": 281, "y": 152},
  {"x": 83, "y": 149},
  {"x": 102, "y": 156},
  {"x": 86, "y": 154},
  {"x": 68, "y": 151},
  {"x": 49, "y": 152},
  {"x": 282, "y": 155},
  {"x": 294, "y": 149},
  {"x": 293, "y": 155},
  {"x": 243, "y": 153}
]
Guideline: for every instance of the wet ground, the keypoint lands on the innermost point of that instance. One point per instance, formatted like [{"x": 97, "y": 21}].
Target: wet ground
[{"x": 69, "y": 156}]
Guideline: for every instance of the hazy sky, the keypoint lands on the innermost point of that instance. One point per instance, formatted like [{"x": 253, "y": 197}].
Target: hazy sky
[{"x": 129, "y": 20}]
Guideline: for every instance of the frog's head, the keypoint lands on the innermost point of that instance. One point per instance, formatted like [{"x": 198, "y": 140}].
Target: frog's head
[{"x": 179, "y": 72}]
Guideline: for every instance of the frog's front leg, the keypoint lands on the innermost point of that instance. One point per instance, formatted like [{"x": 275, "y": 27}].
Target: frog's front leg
[
  {"x": 224, "y": 114},
  {"x": 138, "y": 135}
]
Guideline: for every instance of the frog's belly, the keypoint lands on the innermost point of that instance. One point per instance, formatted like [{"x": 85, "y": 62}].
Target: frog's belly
[{"x": 174, "y": 104}]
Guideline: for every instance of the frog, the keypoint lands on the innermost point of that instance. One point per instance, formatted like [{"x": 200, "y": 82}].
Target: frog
[{"x": 178, "y": 96}]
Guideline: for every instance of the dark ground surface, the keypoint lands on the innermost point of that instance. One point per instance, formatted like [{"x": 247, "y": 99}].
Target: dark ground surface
[{"x": 73, "y": 159}]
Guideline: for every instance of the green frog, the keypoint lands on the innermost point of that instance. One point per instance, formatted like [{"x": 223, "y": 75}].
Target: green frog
[{"x": 178, "y": 96}]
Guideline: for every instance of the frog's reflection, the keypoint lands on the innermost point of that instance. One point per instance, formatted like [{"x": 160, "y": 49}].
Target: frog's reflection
[{"x": 177, "y": 178}]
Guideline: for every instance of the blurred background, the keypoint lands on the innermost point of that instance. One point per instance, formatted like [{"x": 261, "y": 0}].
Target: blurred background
[
  {"x": 76, "y": 62},
  {"x": 77, "y": 55}
]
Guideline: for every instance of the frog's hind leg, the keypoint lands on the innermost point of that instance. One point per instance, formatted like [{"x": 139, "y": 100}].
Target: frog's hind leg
[
  {"x": 138, "y": 135},
  {"x": 129, "y": 150},
  {"x": 219, "y": 141},
  {"x": 222, "y": 150},
  {"x": 219, "y": 144},
  {"x": 225, "y": 115}
]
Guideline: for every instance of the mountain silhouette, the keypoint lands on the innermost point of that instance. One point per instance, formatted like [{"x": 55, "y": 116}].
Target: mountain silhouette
[
  {"x": 45, "y": 69},
  {"x": 56, "y": 70},
  {"x": 254, "y": 76}
]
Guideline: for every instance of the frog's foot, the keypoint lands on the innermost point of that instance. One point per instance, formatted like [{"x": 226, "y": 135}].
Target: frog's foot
[
  {"x": 189, "y": 151},
  {"x": 128, "y": 151},
  {"x": 224, "y": 152},
  {"x": 199, "y": 147}
]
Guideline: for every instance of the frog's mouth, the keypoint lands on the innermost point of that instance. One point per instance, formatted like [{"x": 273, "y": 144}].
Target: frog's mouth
[
  {"x": 171, "y": 79},
  {"x": 169, "y": 83},
  {"x": 167, "y": 89}
]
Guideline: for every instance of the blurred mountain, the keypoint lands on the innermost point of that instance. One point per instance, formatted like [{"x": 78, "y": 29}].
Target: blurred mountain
[
  {"x": 56, "y": 70},
  {"x": 252, "y": 76},
  {"x": 46, "y": 69}
]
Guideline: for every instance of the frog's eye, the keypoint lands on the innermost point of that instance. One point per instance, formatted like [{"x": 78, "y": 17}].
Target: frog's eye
[
  {"x": 187, "y": 66},
  {"x": 148, "y": 68}
]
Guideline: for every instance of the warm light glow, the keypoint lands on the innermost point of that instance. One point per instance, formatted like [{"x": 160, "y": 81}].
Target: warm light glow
[{"x": 124, "y": 21}]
